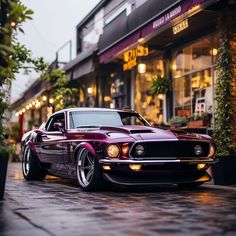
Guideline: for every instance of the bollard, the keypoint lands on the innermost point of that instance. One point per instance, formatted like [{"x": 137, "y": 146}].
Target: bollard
[{"x": 3, "y": 172}]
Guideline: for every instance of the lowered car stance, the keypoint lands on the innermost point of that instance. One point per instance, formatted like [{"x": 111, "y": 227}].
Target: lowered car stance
[{"x": 96, "y": 146}]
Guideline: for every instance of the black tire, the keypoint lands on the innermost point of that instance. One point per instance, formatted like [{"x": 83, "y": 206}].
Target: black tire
[
  {"x": 31, "y": 166},
  {"x": 89, "y": 176},
  {"x": 190, "y": 185}
]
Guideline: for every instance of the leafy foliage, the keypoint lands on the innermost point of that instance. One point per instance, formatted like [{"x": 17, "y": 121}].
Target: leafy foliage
[
  {"x": 160, "y": 85},
  {"x": 13, "y": 56},
  {"x": 61, "y": 89},
  {"x": 224, "y": 110}
]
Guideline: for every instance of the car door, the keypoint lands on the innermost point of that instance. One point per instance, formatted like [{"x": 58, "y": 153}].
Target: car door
[{"x": 52, "y": 146}]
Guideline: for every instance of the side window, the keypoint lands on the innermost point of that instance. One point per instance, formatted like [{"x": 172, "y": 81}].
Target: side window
[{"x": 58, "y": 118}]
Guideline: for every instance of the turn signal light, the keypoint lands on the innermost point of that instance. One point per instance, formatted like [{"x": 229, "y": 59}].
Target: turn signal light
[
  {"x": 212, "y": 151},
  {"x": 106, "y": 167},
  {"x": 135, "y": 167},
  {"x": 201, "y": 166},
  {"x": 125, "y": 149}
]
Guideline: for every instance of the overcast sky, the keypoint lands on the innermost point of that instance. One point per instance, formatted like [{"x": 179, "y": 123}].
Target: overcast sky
[{"x": 53, "y": 25}]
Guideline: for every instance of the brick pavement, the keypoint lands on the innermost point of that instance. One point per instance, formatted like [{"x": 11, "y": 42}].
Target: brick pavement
[{"x": 59, "y": 207}]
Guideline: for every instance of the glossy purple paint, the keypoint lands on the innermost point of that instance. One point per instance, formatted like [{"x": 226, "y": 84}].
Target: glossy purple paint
[{"x": 57, "y": 150}]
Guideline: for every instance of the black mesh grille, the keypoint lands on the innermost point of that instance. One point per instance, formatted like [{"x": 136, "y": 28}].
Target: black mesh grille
[{"x": 167, "y": 150}]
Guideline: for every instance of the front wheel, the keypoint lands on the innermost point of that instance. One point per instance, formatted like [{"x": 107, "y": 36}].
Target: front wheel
[
  {"x": 89, "y": 175},
  {"x": 31, "y": 167}
]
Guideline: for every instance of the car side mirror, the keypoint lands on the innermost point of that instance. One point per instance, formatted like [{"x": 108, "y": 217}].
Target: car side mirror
[{"x": 58, "y": 126}]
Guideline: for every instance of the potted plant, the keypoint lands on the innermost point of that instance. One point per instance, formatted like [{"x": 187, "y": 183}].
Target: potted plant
[
  {"x": 178, "y": 121},
  {"x": 4, "y": 156},
  {"x": 224, "y": 171},
  {"x": 160, "y": 85},
  {"x": 200, "y": 121}
]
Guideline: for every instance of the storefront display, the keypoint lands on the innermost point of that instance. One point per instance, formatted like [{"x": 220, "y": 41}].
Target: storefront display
[
  {"x": 148, "y": 104},
  {"x": 193, "y": 76}
]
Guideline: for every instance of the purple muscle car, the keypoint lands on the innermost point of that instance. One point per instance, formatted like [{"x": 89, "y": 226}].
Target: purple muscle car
[{"x": 96, "y": 146}]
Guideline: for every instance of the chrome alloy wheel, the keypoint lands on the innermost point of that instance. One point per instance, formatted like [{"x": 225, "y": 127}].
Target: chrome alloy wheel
[
  {"x": 26, "y": 161},
  {"x": 85, "y": 167}
]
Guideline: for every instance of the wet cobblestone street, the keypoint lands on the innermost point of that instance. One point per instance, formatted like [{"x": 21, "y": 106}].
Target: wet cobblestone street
[{"x": 59, "y": 207}]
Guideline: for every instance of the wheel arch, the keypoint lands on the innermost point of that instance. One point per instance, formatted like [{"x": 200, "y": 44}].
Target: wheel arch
[{"x": 86, "y": 145}]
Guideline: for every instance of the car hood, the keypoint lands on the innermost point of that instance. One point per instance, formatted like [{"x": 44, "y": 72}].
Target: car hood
[{"x": 146, "y": 133}]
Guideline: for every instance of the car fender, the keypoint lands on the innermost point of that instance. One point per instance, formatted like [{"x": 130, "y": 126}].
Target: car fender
[
  {"x": 31, "y": 146},
  {"x": 86, "y": 145}
]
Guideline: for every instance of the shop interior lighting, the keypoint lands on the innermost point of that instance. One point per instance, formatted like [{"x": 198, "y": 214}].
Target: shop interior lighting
[
  {"x": 90, "y": 90},
  {"x": 141, "y": 68},
  {"x": 214, "y": 51},
  {"x": 51, "y": 100},
  {"x": 44, "y": 98}
]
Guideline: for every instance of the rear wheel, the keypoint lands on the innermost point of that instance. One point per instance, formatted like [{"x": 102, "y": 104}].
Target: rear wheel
[
  {"x": 190, "y": 185},
  {"x": 88, "y": 173},
  {"x": 31, "y": 167}
]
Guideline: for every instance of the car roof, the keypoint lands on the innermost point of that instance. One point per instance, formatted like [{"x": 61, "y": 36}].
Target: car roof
[{"x": 93, "y": 109}]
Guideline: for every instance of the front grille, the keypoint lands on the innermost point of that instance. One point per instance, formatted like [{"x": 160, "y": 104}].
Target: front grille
[{"x": 170, "y": 149}]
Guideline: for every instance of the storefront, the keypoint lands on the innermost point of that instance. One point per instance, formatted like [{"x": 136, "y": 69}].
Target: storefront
[
  {"x": 182, "y": 46},
  {"x": 194, "y": 73}
]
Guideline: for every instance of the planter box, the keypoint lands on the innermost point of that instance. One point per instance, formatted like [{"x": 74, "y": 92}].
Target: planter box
[
  {"x": 224, "y": 171},
  {"x": 3, "y": 173},
  {"x": 196, "y": 123}
]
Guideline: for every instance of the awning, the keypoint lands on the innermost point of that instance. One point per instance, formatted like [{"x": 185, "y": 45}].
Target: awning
[
  {"x": 81, "y": 57},
  {"x": 143, "y": 21},
  {"x": 83, "y": 69}
]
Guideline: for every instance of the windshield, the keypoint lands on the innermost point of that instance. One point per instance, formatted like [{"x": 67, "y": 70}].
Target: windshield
[{"x": 93, "y": 119}]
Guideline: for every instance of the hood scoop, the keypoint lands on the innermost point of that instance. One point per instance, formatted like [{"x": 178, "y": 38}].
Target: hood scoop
[
  {"x": 126, "y": 130},
  {"x": 141, "y": 131}
]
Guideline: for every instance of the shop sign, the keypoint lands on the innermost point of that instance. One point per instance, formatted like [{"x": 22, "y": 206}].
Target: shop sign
[
  {"x": 167, "y": 17},
  {"x": 130, "y": 56},
  {"x": 180, "y": 26}
]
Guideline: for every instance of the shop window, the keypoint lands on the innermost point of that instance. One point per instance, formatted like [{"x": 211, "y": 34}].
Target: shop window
[
  {"x": 149, "y": 105},
  {"x": 192, "y": 76}
]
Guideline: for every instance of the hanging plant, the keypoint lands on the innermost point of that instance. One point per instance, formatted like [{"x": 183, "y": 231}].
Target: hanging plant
[
  {"x": 160, "y": 85},
  {"x": 224, "y": 110}
]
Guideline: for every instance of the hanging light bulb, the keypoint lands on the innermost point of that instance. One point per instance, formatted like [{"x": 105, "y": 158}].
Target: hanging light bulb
[{"x": 141, "y": 68}]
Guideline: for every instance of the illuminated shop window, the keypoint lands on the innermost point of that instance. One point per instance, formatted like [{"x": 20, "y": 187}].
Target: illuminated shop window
[
  {"x": 149, "y": 105},
  {"x": 192, "y": 69}
]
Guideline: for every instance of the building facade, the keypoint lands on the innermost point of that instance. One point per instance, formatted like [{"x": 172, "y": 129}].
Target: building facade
[{"x": 123, "y": 45}]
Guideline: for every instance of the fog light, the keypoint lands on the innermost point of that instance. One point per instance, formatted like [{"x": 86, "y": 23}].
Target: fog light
[
  {"x": 106, "y": 167},
  {"x": 201, "y": 166},
  {"x": 135, "y": 167}
]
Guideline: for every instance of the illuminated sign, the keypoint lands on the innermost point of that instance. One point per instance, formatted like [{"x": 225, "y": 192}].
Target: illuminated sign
[
  {"x": 181, "y": 26},
  {"x": 130, "y": 56}
]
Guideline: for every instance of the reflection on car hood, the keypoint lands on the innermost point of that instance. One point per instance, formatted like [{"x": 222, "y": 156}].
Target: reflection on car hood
[{"x": 145, "y": 133}]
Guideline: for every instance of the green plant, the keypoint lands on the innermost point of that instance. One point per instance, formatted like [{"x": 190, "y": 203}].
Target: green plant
[
  {"x": 178, "y": 121},
  {"x": 160, "y": 85},
  {"x": 224, "y": 110},
  {"x": 61, "y": 89},
  {"x": 13, "y": 56}
]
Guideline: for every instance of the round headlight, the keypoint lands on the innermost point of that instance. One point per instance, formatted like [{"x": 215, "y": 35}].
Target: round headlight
[
  {"x": 198, "y": 150},
  {"x": 113, "y": 151},
  {"x": 139, "y": 149}
]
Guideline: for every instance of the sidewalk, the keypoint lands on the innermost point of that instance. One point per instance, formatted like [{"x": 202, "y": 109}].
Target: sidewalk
[{"x": 57, "y": 207}]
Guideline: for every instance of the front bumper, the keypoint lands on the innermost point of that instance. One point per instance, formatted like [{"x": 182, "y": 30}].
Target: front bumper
[
  {"x": 156, "y": 171},
  {"x": 157, "y": 162}
]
